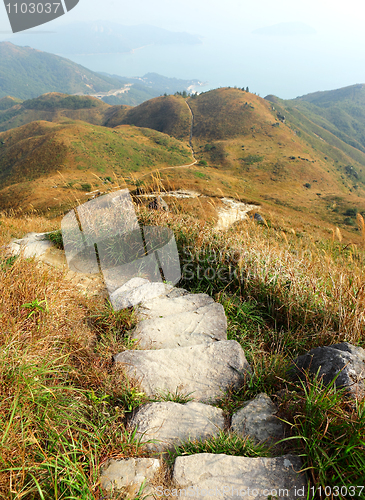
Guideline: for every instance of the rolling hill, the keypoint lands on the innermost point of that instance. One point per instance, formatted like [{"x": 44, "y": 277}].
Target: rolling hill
[
  {"x": 49, "y": 165},
  {"x": 52, "y": 107},
  {"x": 253, "y": 149},
  {"x": 264, "y": 152},
  {"x": 27, "y": 73},
  {"x": 167, "y": 114}
]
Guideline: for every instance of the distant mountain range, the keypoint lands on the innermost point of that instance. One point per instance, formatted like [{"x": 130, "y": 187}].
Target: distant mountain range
[
  {"x": 26, "y": 73},
  {"x": 303, "y": 158},
  {"x": 102, "y": 37}
]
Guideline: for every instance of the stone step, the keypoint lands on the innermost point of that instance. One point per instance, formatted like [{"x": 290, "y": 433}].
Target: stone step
[
  {"x": 137, "y": 290},
  {"x": 129, "y": 475},
  {"x": 201, "y": 325},
  {"x": 169, "y": 423},
  {"x": 162, "y": 307},
  {"x": 207, "y": 476},
  {"x": 204, "y": 371}
]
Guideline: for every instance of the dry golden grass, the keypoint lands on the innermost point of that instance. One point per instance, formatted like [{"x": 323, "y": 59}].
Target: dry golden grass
[
  {"x": 319, "y": 285},
  {"x": 55, "y": 367},
  {"x": 60, "y": 397}
]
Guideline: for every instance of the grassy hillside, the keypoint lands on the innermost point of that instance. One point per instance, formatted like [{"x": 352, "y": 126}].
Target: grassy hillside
[
  {"x": 88, "y": 157},
  {"x": 8, "y": 102},
  {"x": 53, "y": 107},
  {"x": 259, "y": 151},
  {"x": 65, "y": 407},
  {"x": 167, "y": 114},
  {"x": 246, "y": 147},
  {"x": 341, "y": 112},
  {"x": 27, "y": 73}
]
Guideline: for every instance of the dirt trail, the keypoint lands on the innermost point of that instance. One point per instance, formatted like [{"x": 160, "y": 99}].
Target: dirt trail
[
  {"x": 191, "y": 130},
  {"x": 231, "y": 211}
]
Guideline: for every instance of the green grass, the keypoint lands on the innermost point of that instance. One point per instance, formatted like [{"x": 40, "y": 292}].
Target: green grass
[
  {"x": 63, "y": 405},
  {"x": 329, "y": 434},
  {"x": 227, "y": 443}
]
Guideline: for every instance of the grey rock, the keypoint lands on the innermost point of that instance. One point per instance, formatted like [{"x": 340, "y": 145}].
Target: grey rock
[
  {"x": 345, "y": 360},
  {"x": 31, "y": 245},
  {"x": 257, "y": 419},
  {"x": 158, "y": 204},
  {"x": 258, "y": 218},
  {"x": 205, "y": 371},
  {"x": 173, "y": 329},
  {"x": 162, "y": 307},
  {"x": 207, "y": 474},
  {"x": 136, "y": 291},
  {"x": 128, "y": 475},
  {"x": 170, "y": 423}
]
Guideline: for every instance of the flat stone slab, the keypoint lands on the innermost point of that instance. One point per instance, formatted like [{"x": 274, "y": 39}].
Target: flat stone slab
[
  {"x": 204, "y": 371},
  {"x": 345, "y": 360},
  {"x": 127, "y": 475},
  {"x": 171, "y": 423},
  {"x": 162, "y": 307},
  {"x": 203, "y": 325},
  {"x": 212, "y": 476},
  {"x": 135, "y": 291},
  {"x": 257, "y": 420},
  {"x": 32, "y": 245}
]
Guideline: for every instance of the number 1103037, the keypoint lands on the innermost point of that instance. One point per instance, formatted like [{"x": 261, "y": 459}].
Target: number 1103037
[
  {"x": 338, "y": 491},
  {"x": 33, "y": 8}
]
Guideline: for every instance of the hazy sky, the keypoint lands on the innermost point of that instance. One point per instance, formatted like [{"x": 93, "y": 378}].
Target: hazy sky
[{"x": 287, "y": 66}]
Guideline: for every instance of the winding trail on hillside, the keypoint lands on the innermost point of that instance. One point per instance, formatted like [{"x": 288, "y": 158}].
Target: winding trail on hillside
[
  {"x": 230, "y": 212},
  {"x": 190, "y": 145},
  {"x": 191, "y": 130}
]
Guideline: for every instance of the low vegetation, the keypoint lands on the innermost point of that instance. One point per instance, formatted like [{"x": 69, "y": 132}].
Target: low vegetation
[{"x": 63, "y": 406}]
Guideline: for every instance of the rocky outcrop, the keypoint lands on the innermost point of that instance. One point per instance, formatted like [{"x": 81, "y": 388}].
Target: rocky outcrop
[
  {"x": 179, "y": 322},
  {"x": 343, "y": 362},
  {"x": 136, "y": 291},
  {"x": 32, "y": 245}
]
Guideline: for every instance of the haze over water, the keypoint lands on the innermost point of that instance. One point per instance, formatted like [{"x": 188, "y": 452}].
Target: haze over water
[{"x": 316, "y": 45}]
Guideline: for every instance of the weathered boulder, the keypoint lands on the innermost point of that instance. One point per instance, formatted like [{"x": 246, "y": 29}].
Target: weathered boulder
[
  {"x": 135, "y": 291},
  {"x": 32, "y": 245},
  {"x": 211, "y": 476},
  {"x": 179, "y": 329},
  {"x": 257, "y": 420},
  {"x": 158, "y": 204},
  {"x": 128, "y": 475},
  {"x": 205, "y": 371},
  {"x": 170, "y": 423},
  {"x": 344, "y": 361}
]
